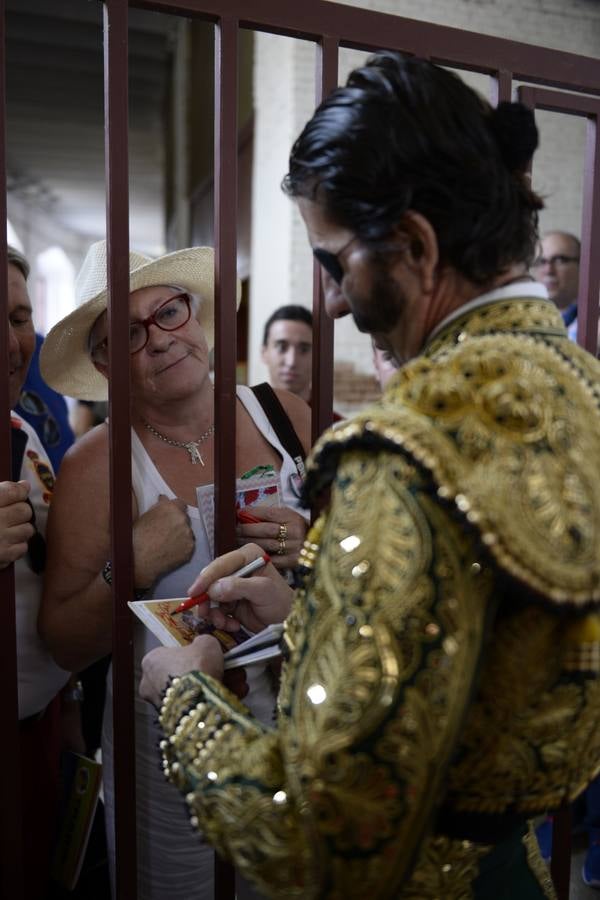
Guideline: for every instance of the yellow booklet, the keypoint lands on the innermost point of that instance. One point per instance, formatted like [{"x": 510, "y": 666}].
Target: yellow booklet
[{"x": 81, "y": 778}]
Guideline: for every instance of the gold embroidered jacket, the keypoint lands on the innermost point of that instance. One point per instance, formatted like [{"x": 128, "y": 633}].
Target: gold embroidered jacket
[{"x": 442, "y": 680}]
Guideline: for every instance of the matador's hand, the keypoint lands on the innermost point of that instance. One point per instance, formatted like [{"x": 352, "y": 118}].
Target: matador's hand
[
  {"x": 255, "y": 602},
  {"x": 204, "y": 654}
]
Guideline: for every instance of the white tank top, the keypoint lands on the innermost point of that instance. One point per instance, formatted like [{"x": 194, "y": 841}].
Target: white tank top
[{"x": 148, "y": 484}]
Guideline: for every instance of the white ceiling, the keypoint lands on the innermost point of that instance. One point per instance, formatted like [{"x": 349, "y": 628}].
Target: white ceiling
[{"x": 55, "y": 127}]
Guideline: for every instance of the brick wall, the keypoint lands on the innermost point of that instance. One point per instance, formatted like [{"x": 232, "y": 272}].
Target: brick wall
[{"x": 284, "y": 92}]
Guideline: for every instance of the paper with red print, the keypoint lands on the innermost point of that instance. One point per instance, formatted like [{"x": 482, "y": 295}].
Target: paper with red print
[{"x": 259, "y": 491}]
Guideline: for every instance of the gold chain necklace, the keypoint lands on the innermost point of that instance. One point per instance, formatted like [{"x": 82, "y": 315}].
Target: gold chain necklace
[{"x": 190, "y": 446}]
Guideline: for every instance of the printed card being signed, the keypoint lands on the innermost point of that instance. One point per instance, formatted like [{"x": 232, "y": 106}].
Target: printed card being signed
[{"x": 179, "y": 630}]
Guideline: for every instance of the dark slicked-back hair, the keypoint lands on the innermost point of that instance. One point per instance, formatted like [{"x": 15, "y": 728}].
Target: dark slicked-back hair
[
  {"x": 405, "y": 134},
  {"x": 291, "y": 313}
]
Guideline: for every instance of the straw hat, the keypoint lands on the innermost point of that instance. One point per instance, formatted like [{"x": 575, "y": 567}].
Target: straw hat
[{"x": 65, "y": 360}]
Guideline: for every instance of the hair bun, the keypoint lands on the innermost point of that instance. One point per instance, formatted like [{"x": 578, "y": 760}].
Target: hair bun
[{"x": 513, "y": 126}]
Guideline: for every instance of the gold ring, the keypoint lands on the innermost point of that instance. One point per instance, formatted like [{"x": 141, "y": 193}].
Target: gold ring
[{"x": 281, "y": 536}]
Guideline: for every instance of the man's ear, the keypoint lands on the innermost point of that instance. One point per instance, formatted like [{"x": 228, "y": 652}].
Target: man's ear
[
  {"x": 263, "y": 351},
  {"x": 422, "y": 249}
]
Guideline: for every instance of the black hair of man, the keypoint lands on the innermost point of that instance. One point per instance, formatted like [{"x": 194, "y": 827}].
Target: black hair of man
[
  {"x": 405, "y": 134},
  {"x": 291, "y": 313}
]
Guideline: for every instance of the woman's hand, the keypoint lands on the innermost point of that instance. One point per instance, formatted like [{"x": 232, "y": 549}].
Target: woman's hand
[
  {"x": 204, "y": 654},
  {"x": 162, "y": 540},
  {"x": 280, "y": 532},
  {"x": 254, "y": 602}
]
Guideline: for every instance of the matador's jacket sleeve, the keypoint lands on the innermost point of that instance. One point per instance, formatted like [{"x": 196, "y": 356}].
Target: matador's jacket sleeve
[
  {"x": 477, "y": 471},
  {"x": 383, "y": 645}
]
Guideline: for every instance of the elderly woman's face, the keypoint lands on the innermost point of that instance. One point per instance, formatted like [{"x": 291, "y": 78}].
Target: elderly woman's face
[{"x": 169, "y": 351}]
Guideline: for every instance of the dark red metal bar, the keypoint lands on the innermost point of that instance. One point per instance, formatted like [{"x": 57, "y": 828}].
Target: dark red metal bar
[
  {"x": 368, "y": 30},
  {"x": 326, "y": 79},
  {"x": 226, "y": 69},
  {"x": 589, "y": 270},
  {"x": 560, "y": 867},
  {"x": 11, "y": 847},
  {"x": 226, "y": 185},
  {"x": 117, "y": 228},
  {"x": 501, "y": 87},
  {"x": 556, "y": 101}
]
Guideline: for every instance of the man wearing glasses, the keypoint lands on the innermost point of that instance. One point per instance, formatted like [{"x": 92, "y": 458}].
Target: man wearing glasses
[{"x": 557, "y": 267}]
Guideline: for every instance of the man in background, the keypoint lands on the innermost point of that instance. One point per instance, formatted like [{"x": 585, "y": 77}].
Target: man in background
[
  {"x": 557, "y": 267},
  {"x": 287, "y": 350}
]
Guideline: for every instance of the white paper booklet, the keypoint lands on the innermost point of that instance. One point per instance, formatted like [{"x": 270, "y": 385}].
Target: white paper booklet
[{"x": 256, "y": 491}]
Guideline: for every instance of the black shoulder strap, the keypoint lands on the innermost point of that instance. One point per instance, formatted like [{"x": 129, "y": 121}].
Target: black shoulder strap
[
  {"x": 18, "y": 445},
  {"x": 281, "y": 423}
]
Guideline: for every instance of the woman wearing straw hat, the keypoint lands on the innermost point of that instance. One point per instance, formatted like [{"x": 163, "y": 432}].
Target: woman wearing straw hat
[{"x": 171, "y": 332}]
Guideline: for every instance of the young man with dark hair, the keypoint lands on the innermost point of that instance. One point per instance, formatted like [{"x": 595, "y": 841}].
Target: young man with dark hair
[{"x": 287, "y": 350}]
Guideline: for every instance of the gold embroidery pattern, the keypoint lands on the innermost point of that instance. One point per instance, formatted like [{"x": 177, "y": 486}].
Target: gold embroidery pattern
[
  {"x": 384, "y": 644},
  {"x": 532, "y": 735},
  {"x": 537, "y": 864},
  {"x": 533, "y": 316},
  {"x": 445, "y": 869},
  {"x": 497, "y": 416}
]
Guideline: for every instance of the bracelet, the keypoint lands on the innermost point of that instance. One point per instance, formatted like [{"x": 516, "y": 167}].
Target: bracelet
[
  {"x": 74, "y": 694},
  {"x": 138, "y": 593}
]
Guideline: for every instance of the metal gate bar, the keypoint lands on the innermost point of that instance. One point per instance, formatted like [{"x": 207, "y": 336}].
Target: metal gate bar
[
  {"x": 326, "y": 79},
  {"x": 367, "y": 30},
  {"x": 225, "y": 168},
  {"x": 117, "y": 232},
  {"x": 225, "y": 212},
  {"x": 11, "y": 832}
]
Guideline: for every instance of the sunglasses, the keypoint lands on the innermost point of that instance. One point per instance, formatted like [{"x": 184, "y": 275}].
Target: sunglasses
[
  {"x": 33, "y": 404},
  {"x": 330, "y": 261}
]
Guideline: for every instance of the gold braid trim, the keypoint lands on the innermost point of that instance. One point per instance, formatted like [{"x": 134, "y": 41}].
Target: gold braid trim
[
  {"x": 228, "y": 766},
  {"x": 509, "y": 430},
  {"x": 536, "y": 863}
]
